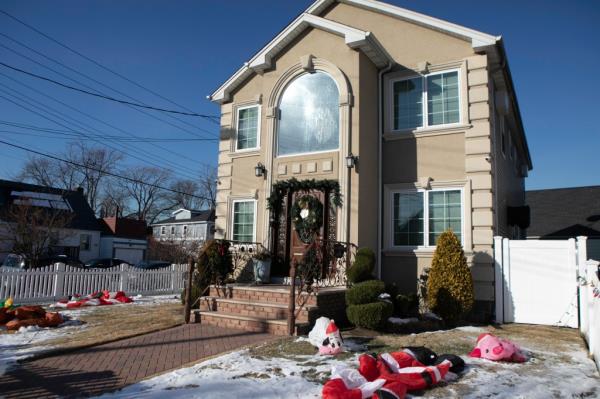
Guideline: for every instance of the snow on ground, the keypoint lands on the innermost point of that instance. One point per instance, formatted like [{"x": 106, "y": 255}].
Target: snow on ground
[
  {"x": 30, "y": 341},
  {"x": 568, "y": 373},
  {"x": 26, "y": 342}
]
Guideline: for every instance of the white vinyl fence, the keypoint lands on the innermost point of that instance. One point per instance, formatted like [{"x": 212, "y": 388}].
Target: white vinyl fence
[
  {"x": 536, "y": 281},
  {"x": 589, "y": 306},
  {"x": 50, "y": 283}
]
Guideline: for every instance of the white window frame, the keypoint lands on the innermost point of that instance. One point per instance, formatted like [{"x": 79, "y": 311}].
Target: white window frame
[
  {"x": 172, "y": 231},
  {"x": 425, "y": 102},
  {"x": 163, "y": 230},
  {"x": 184, "y": 231},
  {"x": 237, "y": 127},
  {"x": 232, "y": 213},
  {"x": 426, "y": 244},
  {"x": 87, "y": 242}
]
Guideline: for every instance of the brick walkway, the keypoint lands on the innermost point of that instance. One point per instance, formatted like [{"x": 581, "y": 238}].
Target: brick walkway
[{"x": 108, "y": 367}]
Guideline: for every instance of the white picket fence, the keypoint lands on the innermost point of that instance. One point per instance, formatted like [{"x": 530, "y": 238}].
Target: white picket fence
[{"x": 50, "y": 283}]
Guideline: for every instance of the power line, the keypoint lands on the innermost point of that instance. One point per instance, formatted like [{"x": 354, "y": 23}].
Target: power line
[
  {"x": 121, "y": 139},
  {"x": 103, "y": 85},
  {"x": 83, "y": 134},
  {"x": 103, "y": 171},
  {"x": 90, "y": 59},
  {"x": 95, "y": 119},
  {"x": 66, "y": 86}
]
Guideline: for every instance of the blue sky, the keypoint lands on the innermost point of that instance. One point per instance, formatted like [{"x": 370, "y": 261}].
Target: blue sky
[{"x": 185, "y": 49}]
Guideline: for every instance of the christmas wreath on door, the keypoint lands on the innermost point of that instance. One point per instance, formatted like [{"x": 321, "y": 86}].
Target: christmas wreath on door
[{"x": 307, "y": 215}]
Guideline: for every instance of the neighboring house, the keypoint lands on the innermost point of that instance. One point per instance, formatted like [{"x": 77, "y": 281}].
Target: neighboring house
[
  {"x": 186, "y": 226},
  {"x": 562, "y": 213},
  {"x": 79, "y": 238},
  {"x": 415, "y": 117},
  {"x": 123, "y": 238}
]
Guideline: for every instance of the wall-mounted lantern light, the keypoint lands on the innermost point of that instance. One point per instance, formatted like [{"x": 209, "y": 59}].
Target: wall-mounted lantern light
[
  {"x": 259, "y": 170},
  {"x": 351, "y": 161}
]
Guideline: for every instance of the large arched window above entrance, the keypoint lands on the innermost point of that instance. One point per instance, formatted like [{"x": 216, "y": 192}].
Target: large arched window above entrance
[{"x": 309, "y": 115}]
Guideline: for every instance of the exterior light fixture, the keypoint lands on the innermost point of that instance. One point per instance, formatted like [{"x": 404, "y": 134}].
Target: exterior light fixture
[
  {"x": 259, "y": 170},
  {"x": 351, "y": 161}
]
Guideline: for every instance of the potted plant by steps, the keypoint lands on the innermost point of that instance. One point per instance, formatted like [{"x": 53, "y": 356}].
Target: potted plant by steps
[{"x": 262, "y": 267}]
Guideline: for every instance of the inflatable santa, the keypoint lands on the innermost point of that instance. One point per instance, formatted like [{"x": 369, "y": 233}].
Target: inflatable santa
[{"x": 347, "y": 383}]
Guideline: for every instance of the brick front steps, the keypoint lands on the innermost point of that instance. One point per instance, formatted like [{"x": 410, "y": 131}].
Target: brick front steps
[{"x": 264, "y": 308}]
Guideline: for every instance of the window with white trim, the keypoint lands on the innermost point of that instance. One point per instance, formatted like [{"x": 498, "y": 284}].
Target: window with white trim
[
  {"x": 85, "y": 241},
  {"x": 163, "y": 230},
  {"x": 243, "y": 220},
  {"x": 424, "y": 101},
  {"x": 419, "y": 217},
  {"x": 309, "y": 113},
  {"x": 247, "y": 128}
]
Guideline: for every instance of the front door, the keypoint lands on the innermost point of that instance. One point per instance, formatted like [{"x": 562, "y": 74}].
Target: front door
[{"x": 307, "y": 212}]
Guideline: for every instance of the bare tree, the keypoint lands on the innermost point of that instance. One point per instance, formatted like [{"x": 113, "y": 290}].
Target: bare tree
[
  {"x": 208, "y": 186},
  {"x": 29, "y": 230},
  {"x": 148, "y": 200},
  {"x": 115, "y": 201},
  {"x": 95, "y": 163},
  {"x": 185, "y": 194}
]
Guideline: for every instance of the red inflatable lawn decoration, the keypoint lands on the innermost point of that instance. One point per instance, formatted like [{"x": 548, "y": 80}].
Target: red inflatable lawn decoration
[
  {"x": 98, "y": 298},
  {"x": 493, "y": 348}
]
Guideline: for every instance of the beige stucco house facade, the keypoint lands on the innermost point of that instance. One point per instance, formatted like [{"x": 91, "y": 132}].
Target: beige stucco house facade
[{"x": 428, "y": 109}]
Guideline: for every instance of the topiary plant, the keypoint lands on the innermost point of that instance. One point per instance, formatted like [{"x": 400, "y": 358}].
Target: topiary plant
[
  {"x": 371, "y": 315},
  {"x": 362, "y": 268},
  {"x": 450, "y": 284},
  {"x": 365, "y": 292},
  {"x": 407, "y": 305}
]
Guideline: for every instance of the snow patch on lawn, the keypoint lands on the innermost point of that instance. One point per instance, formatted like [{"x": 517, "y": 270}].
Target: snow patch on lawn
[
  {"x": 26, "y": 341},
  {"x": 239, "y": 375}
]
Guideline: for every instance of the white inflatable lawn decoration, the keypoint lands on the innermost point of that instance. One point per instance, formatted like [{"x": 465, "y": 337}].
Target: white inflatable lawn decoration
[{"x": 326, "y": 336}]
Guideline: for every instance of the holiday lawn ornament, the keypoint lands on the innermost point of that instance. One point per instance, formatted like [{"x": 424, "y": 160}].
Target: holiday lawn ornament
[
  {"x": 24, "y": 316},
  {"x": 326, "y": 336},
  {"x": 414, "y": 377},
  {"x": 307, "y": 214},
  {"x": 458, "y": 364},
  {"x": 98, "y": 298},
  {"x": 493, "y": 348},
  {"x": 347, "y": 383}
]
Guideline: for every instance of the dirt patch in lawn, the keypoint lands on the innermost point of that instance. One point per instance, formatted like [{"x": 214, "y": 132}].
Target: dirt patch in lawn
[{"x": 108, "y": 323}]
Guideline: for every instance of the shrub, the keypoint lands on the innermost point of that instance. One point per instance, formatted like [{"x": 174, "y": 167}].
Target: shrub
[
  {"x": 365, "y": 292},
  {"x": 200, "y": 281},
  {"x": 450, "y": 284},
  {"x": 196, "y": 292},
  {"x": 371, "y": 315},
  {"x": 362, "y": 268},
  {"x": 216, "y": 260},
  {"x": 407, "y": 305}
]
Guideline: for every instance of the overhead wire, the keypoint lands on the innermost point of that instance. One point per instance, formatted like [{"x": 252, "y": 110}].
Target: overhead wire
[
  {"x": 90, "y": 59},
  {"x": 108, "y": 173},
  {"x": 178, "y": 154}
]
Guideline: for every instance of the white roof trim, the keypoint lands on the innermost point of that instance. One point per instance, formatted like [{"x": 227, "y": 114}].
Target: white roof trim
[
  {"x": 478, "y": 39},
  {"x": 354, "y": 38}
]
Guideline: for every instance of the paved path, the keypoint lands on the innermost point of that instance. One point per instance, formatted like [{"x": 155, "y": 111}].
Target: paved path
[{"x": 108, "y": 367}]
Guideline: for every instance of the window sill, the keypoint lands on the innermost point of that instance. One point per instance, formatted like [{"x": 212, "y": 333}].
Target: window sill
[
  {"x": 407, "y": 251},
  {"x": 424, "y": 132},
  {"x": 245, "y": 153}
]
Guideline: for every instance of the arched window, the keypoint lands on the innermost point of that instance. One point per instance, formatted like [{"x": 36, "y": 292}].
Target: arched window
[{"x": 309, "y": 119}]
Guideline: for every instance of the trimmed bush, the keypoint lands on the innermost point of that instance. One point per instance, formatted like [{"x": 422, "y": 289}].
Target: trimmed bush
[
  {"x": 365, "y": 292},
  {"x": 371, "y": 315},
  {"x": 362, "y": 268},
  {"x": 450, "y": 284},
  {"x": 407, "y": 305},
  {"x": 196, "y": 292}
]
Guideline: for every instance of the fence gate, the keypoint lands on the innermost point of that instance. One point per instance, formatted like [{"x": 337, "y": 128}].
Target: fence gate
[{"x": 536, "y": 280}]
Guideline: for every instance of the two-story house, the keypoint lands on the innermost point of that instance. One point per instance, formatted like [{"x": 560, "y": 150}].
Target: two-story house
[
  {"x": 416, "y": 118},
  {"x": 185, "y": 226}
]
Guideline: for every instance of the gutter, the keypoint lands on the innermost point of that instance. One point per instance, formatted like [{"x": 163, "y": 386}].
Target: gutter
[{"x": 380, "y": 164}]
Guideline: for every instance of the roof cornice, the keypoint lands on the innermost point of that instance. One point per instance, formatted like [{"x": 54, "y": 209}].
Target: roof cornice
[
  {"x": 354, "y": 38},
  {"x": 478, "y": 39}
]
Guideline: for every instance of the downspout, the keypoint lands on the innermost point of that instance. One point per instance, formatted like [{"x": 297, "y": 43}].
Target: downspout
[{"x": 380, "y": 164}]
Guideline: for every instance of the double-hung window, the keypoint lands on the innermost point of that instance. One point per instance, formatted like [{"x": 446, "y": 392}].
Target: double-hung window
[
  {"x": 248, "y": 119},
  {"x": 85, "y": 242},
  {"x": 426, "y": 101},
  {"x": 419, "y": 217},
  {"x": 244, "y": 220}
]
